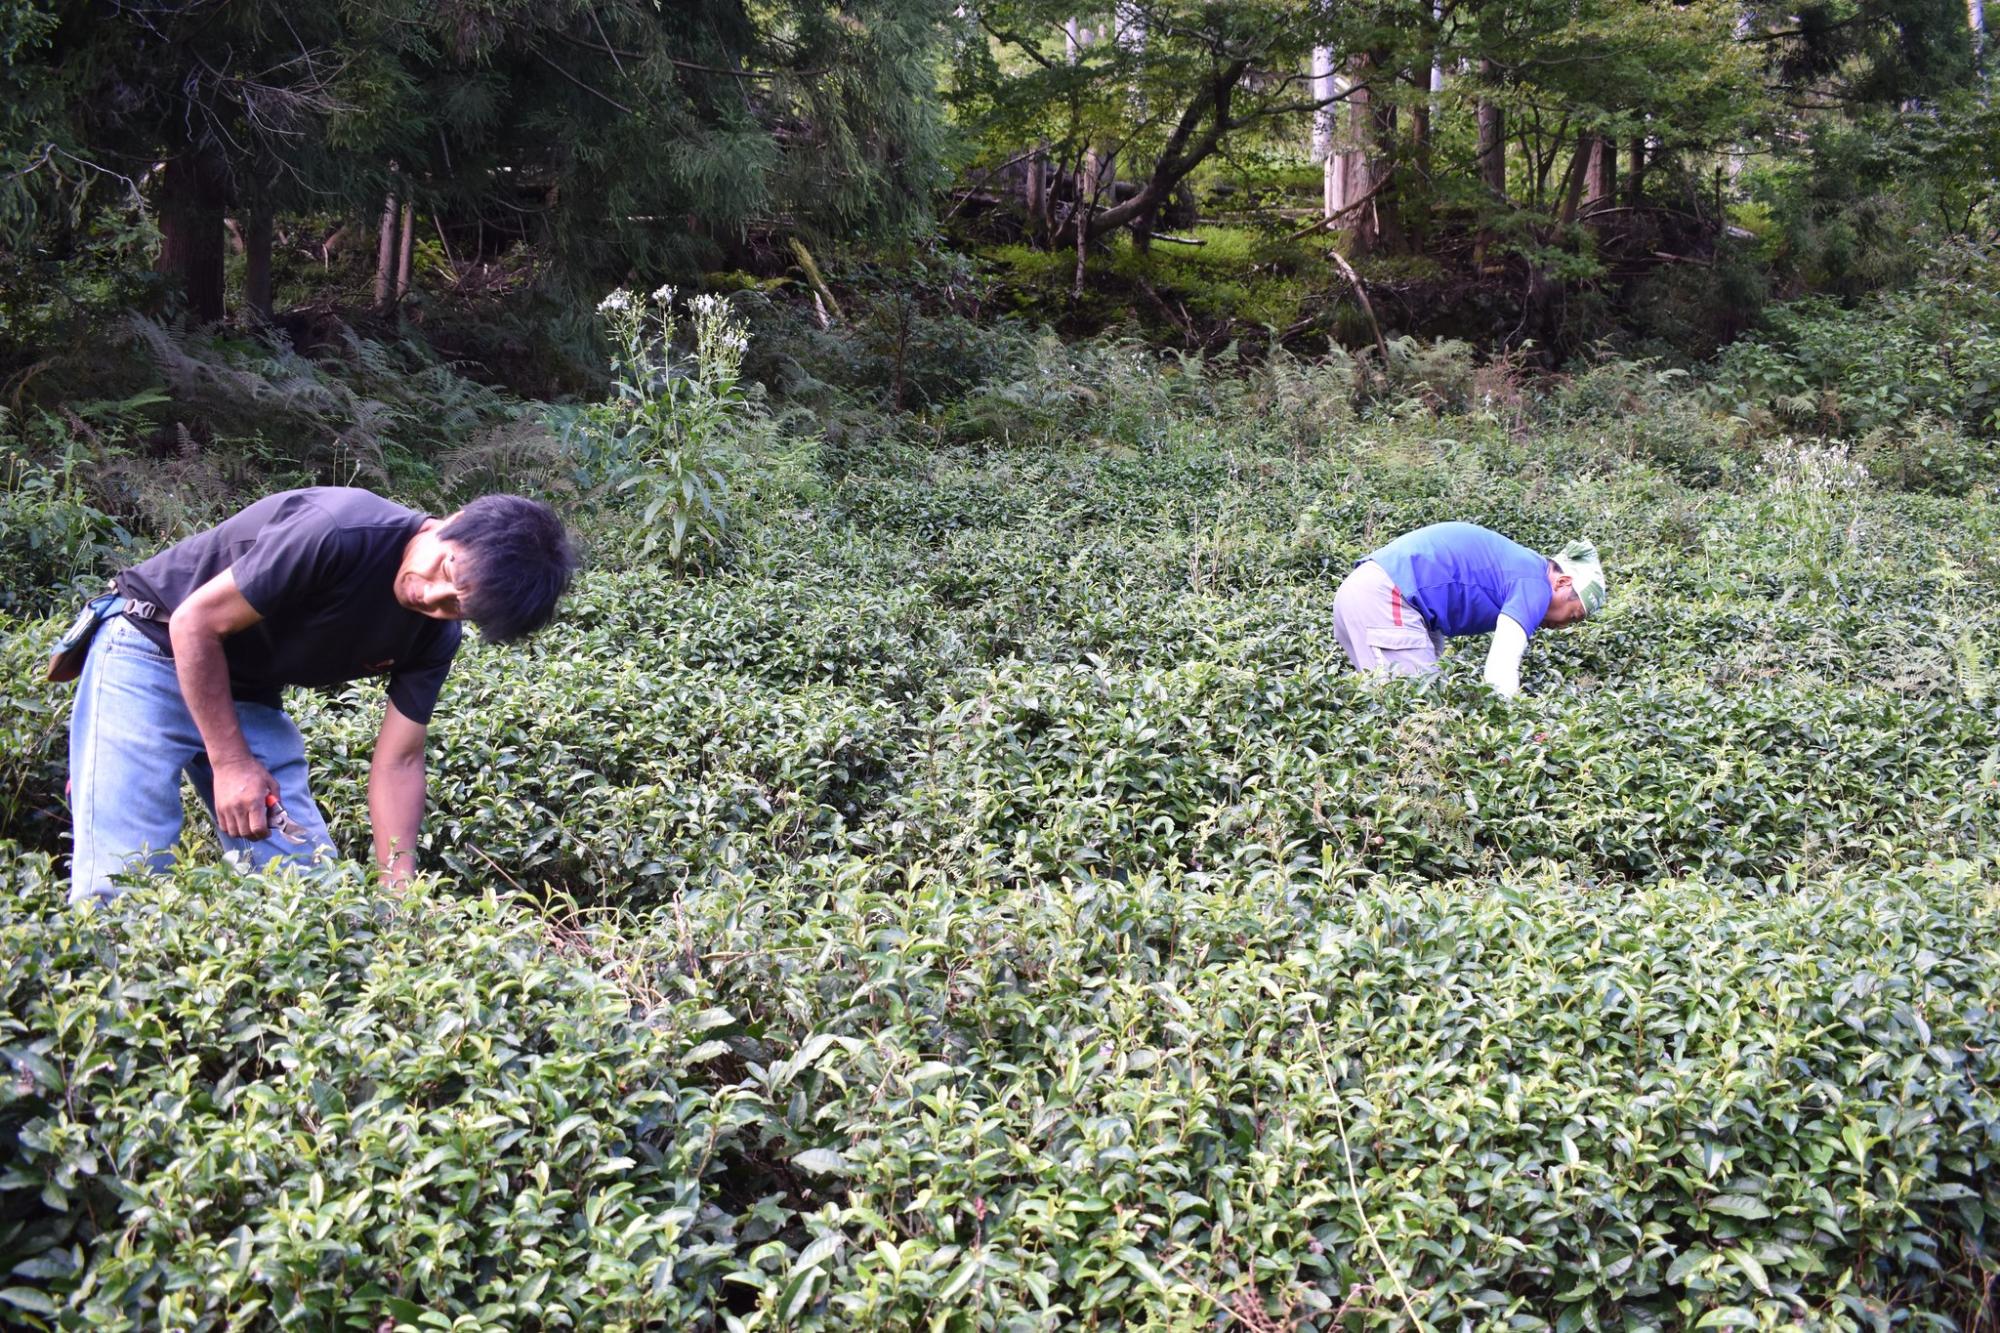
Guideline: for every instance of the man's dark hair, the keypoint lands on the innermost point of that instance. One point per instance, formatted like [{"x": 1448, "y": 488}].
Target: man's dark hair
[{"x": 518, "y": 563}]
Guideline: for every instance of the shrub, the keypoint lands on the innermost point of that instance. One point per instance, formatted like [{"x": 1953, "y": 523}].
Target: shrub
[
  {"x": 1111, "y": 1099},
  {"x": 999, "y": 864},
  {"x": 1924, "y": 454},
  {"x": 1436, "y": 377},
  {"x": 294, "y": 1100},
  {"x": 34, "y": 724},
  {"x": 1637, "y": 408},
  {"x": 1126, "y": 1099},
  {"x": 1929, "y": 352},
  {"x": 54, "y": 543},
  {"x": 1038, "y": 400},
  {"x": 1304, "y": 400},
  {"x": 364, "y": 411}
]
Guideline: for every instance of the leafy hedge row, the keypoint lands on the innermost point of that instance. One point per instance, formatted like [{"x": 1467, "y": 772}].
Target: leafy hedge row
[
  {"x": 292, "y": 1100},
  {"x": 881, "y": 1097},
  {"x": 1931, "y": 352},
  {"x": 1506, "y": 1101}
]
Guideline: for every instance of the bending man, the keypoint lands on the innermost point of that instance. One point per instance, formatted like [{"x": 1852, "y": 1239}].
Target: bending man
[
  {"x": 309, "y": 587},
  {"x": 1394, "y": 612}
]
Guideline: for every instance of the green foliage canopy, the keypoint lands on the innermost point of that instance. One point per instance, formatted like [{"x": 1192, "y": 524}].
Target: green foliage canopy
[{"x": 616, "y": 133}]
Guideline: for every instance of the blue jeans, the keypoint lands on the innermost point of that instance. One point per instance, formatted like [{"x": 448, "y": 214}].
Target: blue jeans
[{"x": 131, "y": 738}]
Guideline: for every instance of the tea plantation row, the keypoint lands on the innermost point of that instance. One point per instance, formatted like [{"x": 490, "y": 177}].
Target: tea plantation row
[{"x": 993, "y": 904}]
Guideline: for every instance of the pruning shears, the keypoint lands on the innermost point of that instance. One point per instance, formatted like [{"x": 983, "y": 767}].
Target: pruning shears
[{"x": 281, "y": 820}]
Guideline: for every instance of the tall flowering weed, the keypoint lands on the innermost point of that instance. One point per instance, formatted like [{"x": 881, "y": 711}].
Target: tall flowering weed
[{"x": 670, "y": 436}]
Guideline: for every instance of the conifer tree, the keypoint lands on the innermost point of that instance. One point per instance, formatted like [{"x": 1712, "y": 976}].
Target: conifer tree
[{"x": 618, "y": 133}]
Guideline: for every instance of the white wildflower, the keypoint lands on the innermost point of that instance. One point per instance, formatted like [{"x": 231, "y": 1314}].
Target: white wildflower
[
  {"x": 663, "y": 294},
  {"x": 1791, "y": 468},
  {"x": 617, "y": 303}
]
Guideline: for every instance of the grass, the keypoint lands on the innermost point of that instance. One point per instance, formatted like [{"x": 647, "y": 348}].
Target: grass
[{"x": 1236, "y": 274}]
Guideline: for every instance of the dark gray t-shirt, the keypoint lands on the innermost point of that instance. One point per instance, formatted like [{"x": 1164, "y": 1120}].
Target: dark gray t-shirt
[{"x": 319, "y": 565}]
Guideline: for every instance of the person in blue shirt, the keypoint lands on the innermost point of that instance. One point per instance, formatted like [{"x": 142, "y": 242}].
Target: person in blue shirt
[{"x": 1394, "y": 612}]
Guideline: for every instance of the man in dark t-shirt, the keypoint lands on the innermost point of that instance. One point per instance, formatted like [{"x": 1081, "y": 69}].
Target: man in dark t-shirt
[{"x": 306, "y": 587}]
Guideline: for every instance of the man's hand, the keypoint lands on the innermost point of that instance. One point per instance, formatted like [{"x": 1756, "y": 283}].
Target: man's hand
[{"x": 241, "y": 789}]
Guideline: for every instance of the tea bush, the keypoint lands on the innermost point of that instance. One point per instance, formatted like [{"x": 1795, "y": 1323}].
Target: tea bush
[
  {"x": 54, "y": 543},
  {"x": 306, "y": 1103},
  {"x": 1931, "y": 351},
  {"x": 991, "y": 902}
]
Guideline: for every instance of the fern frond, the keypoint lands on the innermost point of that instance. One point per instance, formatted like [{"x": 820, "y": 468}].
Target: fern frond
[
  {"x": 523, "y": 454},
  {"x": 1973, "y": 668}
]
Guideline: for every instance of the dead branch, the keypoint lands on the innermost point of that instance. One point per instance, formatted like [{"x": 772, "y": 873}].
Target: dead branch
[
  {"x": 1321, "y": 224},
  {"x": 1361, "y": 295},
  {"x": 818, "y": 284}
]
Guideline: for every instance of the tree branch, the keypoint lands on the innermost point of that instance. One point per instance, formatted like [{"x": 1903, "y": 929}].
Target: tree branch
[
  {"x": 1367, "y": 308},
  {"x": 594, "y": 92},
  {"x": 1014, "y": 39},
  {"x": 616, "y": 52},
  {"x": 1322, "y": 224},
  {"x": 1178, "y": 156}
]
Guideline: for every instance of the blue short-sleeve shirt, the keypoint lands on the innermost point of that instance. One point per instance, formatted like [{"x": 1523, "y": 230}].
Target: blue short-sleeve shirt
[{"x": 1462, "y": 578}]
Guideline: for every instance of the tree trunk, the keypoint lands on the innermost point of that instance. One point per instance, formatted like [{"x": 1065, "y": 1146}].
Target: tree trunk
[
  {"x": 1437, "y": 67},
  {"x": 1129, "y": 34},
  {"x": 1600, "y": 184},
  {"x": 1428, "y": 111},
  {"x": 1975, "y": 19},
  {"x": 1491, "y": 154},
  {"x": 1416, "y": 207},
  {"x": 403, "y": 261},
  {"x": 385, "y": 253},
  {"x": 1337, "y": 183},
  {"x": 1034, "y": 192},
  {"x": 1328, "y": 146},
  {"x": 1082, "y": 246},
  {"x": 193, "y": 194},
  {"x": 1096, "y": 173},
  {"x": 1321, "y": 84},
  {"x": 1573, "y": 179},
  {"x": 1379, "y": 226},
  {"x": 1541, "y": 312},
  {"x": 257, "y": 264},
  {"x": 1635, "y": 173},
  {"x": 1738, "y": 154},
  {"x": 1492, "y": 150},
  {"x": 1143, "y": 227},
  {"x": 1363, "y": 233}
]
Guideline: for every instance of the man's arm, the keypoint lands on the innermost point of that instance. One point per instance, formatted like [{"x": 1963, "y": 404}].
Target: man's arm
[
  {"x": 1503, "y": 659},
  {"x": 212, "y": 613},
  {"x": 396, "y": 794}
]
